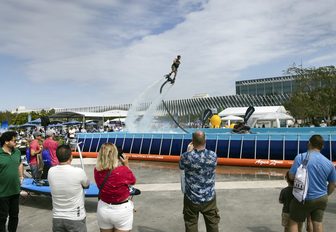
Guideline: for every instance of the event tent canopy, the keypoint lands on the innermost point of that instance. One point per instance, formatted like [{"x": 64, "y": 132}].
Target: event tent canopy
[
  {"x": 36, "y": 121},
  {"x": 240, "y": 111},
  {"x": 73, "y": 122},
  {"x": 27, "y": 125},
  {"x": 275, "y": 116},
  {"x": 264, "y": 113},
  {"x": 106, "y": 114},
  {"x": 232, "y": 118}
]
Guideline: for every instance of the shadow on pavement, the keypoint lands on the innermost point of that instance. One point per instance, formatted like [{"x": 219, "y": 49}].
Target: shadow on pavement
[
  {"x": 91, "y": 206},
  {"x": 36, "y": 201},
  {"x": 260, "y": 229},
  {"x": 331, "y": 208},
  {"x": 41, "y": 201},
  {"x": 147, "y": 229}
]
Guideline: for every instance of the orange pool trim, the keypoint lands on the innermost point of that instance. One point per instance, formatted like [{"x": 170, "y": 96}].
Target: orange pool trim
[{"x": 221, "y": 161}]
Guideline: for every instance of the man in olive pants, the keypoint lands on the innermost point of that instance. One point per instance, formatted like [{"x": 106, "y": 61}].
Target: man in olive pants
[{"x": 199, "y": 165}]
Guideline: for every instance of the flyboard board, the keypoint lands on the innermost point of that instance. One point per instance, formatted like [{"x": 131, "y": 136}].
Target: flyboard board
[
  {"x": 30, "y": 185},
  {"x": 42, "y": 186},
  {"x": 168, "y": 80}
]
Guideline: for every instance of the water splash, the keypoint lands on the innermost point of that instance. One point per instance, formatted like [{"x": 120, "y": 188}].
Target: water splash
[{"x": 144, "y": 115}]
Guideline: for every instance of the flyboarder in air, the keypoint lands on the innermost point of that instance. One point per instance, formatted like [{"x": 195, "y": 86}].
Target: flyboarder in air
[{"x": 174, "y": 68}]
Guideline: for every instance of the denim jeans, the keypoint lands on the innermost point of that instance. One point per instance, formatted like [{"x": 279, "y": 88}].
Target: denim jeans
[{"x": 36, "y": 174}]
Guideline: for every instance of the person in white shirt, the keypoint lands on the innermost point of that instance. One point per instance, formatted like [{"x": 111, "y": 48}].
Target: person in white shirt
[
  {"x": 323, "y": 124},
  {"x": 66, "y": 185},
  {"x": 72, "y": 132}
]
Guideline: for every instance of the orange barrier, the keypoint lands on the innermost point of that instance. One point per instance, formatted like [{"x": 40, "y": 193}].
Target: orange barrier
[
  {"x": 86, "y": 154},
  {"x": 255, "y": 162},
  {"x": 163, "y": 158},
  {"x": 221, "y": 161}
]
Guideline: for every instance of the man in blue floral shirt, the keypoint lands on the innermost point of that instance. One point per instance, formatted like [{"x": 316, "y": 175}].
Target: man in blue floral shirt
[{"x": 199, "y": 165}]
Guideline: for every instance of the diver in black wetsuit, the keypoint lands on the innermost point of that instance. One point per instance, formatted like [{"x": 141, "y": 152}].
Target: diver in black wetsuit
[
  {"x": 174, "y": 68},
  {"x": 241, "y": 128}
]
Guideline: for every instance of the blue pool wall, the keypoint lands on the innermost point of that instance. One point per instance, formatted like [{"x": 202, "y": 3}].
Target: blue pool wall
[{"x": 263, "y": 143}]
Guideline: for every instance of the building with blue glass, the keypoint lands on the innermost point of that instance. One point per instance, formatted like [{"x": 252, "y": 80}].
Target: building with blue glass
[{"x": 267, "y": 86}]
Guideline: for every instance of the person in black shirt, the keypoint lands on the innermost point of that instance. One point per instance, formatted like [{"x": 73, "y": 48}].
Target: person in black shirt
[{"x": 286, "y": 196}]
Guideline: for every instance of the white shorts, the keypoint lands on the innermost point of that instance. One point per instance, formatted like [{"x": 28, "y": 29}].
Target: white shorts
[{"x": 115, "y": 216}]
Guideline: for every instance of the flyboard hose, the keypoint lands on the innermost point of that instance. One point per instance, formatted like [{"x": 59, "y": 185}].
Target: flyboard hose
[
  {"x": 165, "y": 106},
  {"x": 168, "y": 80},
  {"x": 172, "y": 81}
]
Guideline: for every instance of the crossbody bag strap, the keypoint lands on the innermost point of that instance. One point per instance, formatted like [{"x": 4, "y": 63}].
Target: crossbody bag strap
[
  {"x": 104, "y": 181},
  {"x": 305, "y": 161}
]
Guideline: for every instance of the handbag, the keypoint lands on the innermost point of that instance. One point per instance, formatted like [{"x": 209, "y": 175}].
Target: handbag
[
  {"x": 104, "y": 181},
  {"x": 301, "y": 180}
]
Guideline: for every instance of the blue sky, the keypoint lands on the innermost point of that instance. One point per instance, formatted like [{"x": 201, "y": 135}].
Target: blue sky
[{"x": 104, "y": 52}]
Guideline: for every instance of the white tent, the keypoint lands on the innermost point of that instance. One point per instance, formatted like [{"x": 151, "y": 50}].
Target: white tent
[
  {"x": 261, "y": 113},
  {"x": 75, "y": 114},
  {"x": 230, "y": 118},
  {"x": 114, "y": 120},
  {"x": 240, "y": 111},
  {"x": 274, "y": 118},
  {"x": 118, "y": 120},
  {"x": 275, "y": 115},
  {"x": 115, "y": 113}
]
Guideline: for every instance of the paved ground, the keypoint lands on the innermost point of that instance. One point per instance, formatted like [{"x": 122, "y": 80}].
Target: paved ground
[{"x": 247, "y": 200}]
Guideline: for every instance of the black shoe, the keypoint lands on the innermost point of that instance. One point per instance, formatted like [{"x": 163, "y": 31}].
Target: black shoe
[{"x": 41, "y": 182}]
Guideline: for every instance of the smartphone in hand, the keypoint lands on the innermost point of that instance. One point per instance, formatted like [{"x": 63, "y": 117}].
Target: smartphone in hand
[{"x": 120, "y": 153}]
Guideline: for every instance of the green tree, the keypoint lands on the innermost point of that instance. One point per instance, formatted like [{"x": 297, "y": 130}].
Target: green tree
[
  {"x": 20, "y": 118},
  {"x": 51, "y": 112},
  {"x": 34, "y": 115},
  {"x": 6, "y": 116},
  {"x": 314, "y": 95}
]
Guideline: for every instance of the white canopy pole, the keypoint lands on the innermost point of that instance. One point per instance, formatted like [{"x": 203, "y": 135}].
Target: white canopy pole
[{"x": 80, "y": 155}]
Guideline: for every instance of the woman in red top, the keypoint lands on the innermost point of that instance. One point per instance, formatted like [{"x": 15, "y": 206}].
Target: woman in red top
[{"x": 114, "y": 211}]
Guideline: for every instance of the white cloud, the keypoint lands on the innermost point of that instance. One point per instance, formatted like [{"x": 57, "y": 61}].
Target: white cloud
[
  {"x": 131, "y": 45},
  {"x": 323, "y": 60}
]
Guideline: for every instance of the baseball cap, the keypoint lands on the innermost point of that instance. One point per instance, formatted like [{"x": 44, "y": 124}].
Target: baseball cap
[
  {"x": 50, "y": 133},
  {"x": 37, "y": 133}
]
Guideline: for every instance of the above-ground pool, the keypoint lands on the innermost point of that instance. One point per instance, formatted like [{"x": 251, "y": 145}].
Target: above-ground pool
[{"x": 262, "y": 143}]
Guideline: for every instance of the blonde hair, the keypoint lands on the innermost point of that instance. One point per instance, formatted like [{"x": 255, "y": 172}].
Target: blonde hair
[{"x": 107, "y": 158}]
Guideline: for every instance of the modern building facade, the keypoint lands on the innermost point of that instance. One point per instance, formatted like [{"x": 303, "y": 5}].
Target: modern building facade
[
  {"x": 95, "y": 108},
  {"x": 267, "y": 86},
  {"x": 196, "y": 106}
]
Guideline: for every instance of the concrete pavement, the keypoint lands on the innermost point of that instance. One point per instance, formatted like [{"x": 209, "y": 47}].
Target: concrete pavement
[{"x": 247, "y": 199}]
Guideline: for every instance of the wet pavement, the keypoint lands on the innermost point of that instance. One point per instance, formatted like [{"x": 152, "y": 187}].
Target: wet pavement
[{"x": 247, "y": 199}]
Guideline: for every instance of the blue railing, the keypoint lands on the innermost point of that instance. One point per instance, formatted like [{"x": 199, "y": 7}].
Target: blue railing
[{"x": 278, "y": 146}]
